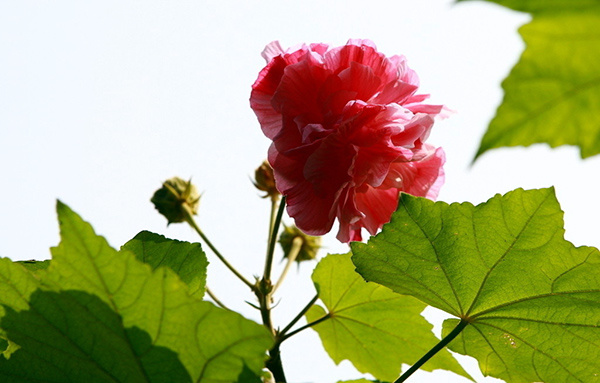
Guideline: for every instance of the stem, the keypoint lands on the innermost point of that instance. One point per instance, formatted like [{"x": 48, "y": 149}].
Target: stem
[
  {"x": 273, "y": 238},
  {"x": 299, "y": 316},
  {"x": 215, "y": 299},
  {"x": 274, "y": 364},
  {"x": 274, "y": 201},
  {"x": 292, "y": 255},
  {"x": 192, "y": 222},
  {"x": 315, "y": 322},
  {"x": 264, "y": 293},
  {"x": 441, "y": 344}
]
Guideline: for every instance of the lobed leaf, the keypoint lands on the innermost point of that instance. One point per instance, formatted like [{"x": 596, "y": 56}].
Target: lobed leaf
[
  {"x": 373, "y": 327},
  {"x": 532, "y": 299},
  {"x": 186, "y": 259},
  {"x": 553, "y": 92},
  {"x": 99, "y": 315},
  {"x": 540, "y": 6},
  {"x": 34, "y": 266}
]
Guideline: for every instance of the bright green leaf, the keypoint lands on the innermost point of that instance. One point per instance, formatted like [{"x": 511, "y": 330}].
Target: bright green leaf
[
  {"x": 531, "y": 298},
  {"x": 184, "y": 258},
  {"x": 536, "y": 6},
  {"x": 552, "y": 95},
  {"x": 373, "y": 327},
  {"x": 99, "y": 315},
  {"x": 34, "y": 266}
]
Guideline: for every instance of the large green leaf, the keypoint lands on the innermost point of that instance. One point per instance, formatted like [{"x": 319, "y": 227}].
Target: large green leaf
[
  {"x": 186, "y": 259},
  {"x": 537, "y": 6},
  {"x": 552, "y": 95},
  {"x": 373, "y": 327},
  {"x": 531, "y": 299},
  {"x": 98, "y": 315},
  {"x": 35, "y": 266}
]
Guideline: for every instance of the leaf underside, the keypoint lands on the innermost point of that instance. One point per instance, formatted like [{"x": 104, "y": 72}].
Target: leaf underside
[
  {"x": 531, "y": 298},
  {"x": 553, "y": 93},
  {"x": 373, "y": 327},
  {"x": 186, "y": 259},
  {"x": 98, "y": 315}
]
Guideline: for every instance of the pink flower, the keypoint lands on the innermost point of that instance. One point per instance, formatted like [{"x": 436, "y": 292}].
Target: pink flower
[{"x": 348, "y": 134}]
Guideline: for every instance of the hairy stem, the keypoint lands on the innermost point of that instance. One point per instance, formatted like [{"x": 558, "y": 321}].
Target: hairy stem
[{"x": 441, "y": 344}]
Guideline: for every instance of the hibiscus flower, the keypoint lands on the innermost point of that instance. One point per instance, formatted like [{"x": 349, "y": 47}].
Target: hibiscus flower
[{"x": 348, "y": 132}]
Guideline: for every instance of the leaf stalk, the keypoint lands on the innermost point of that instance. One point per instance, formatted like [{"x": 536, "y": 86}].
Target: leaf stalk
[
  {"x": 190, "y": 220},
  {"x": 440, "y": 345}
]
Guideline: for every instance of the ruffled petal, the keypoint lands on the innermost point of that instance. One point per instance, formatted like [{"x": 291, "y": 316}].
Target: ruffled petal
[
  {"x": 271, "y": 50},
  {"x": 298, "y": 90},
  {"x": 312, "y": 214},
  {"x": 377, "y": 206},
  {"x": 348, "y": 132},
  {"x": 422, "y": 178},
  {"x": 328, "y": 167}
]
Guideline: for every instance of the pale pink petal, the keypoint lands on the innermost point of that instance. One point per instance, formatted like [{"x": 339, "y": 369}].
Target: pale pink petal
[
  {"x": 420, "y": 178},
  {"x": 395, "y": 92},
  {"x": 319, "y": 48},
  {"x": 271, "y": 50},
  {"x": 405, "y": 74},
  {"x": 338, "y": 59},
  {"x": 360, "y": 42}
]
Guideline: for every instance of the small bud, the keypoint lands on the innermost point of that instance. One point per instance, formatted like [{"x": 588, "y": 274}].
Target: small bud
[
  {"x": 176, "y": 199},
  {"x": 264, "y": 180},
  {"x": 310, "y": 245}
]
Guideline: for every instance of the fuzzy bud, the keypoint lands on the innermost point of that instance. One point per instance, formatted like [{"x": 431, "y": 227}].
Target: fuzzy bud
[
  {"x": 309, "y": 248},
  {"x": 176, "y": 199}
]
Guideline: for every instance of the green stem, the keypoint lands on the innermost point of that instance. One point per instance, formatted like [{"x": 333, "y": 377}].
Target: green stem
[
  {"x": 313, "y": 323},
  {"x": 274, "y": 205},
  {"x": 299, "y": 316},
  {"x": 190, "y": 220},
  {"x": 273, "y": 239},
  {"x": 215, "y": 299},
  {"x": 441, "y": 344},
  {"x": 291, "y": 258},
  {"x": 264, "y": 292}
]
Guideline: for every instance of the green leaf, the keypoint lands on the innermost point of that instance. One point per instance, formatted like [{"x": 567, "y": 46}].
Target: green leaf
[
  {"x": 34, "y": 266},
  {"x": 553, "y": 93},
  {"x": 373, "y": 327},
  {"x": 186, "y": 259},
  {"x": 537, "y": 6},
  {"x": 532, "y": 299},
  {"x": 99, "y": 315},
  {"x": 74, "y": 336}
]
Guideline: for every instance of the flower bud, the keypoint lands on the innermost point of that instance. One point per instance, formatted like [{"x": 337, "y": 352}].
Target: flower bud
[
  {"x": 176, "y": 199},
  {"x": 264, "y": 180},
  {"x": 309, "y": 248}
]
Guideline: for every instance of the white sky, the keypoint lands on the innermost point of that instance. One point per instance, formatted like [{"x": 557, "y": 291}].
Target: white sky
[{"x": 100, "y": 101}]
